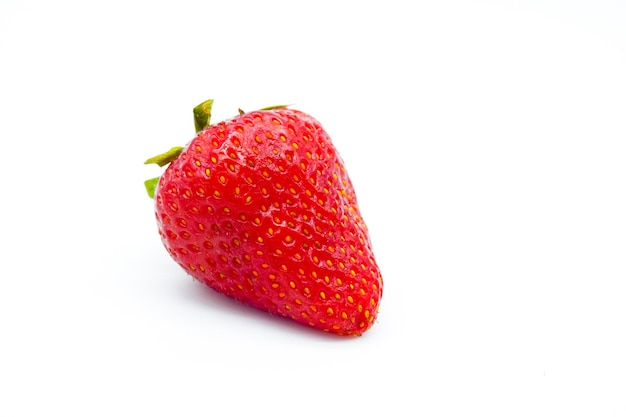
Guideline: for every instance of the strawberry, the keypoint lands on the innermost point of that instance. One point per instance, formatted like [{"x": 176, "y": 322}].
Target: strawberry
[{"x": 260, "y": 208}]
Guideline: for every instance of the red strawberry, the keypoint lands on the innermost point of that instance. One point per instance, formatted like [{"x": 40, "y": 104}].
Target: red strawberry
[{"x": 261, "y": 209}]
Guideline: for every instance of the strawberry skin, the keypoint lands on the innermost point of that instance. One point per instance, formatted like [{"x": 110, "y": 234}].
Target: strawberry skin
[{"x": 260, "y": 208}]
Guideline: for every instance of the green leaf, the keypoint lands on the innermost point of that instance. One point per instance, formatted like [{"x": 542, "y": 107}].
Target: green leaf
[
  {"x": 280, "y": 106},
  {"x": 151, "y": 186},
  {"x": 165, "y": 157},
  {"x": 202, "y": 114}
]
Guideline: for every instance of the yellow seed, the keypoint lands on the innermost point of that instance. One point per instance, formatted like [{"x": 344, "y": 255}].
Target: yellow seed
[
  {"x": 344, "y": 315},
  {"x": 292, "y": 284},
  {"x": 330, "y": 311},
  {"x": 323, "y": 295},
  {"x": 350, "y": 299}
]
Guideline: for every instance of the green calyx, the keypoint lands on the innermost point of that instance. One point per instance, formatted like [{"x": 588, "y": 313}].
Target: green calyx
[
  {"x": 202, "y": 119},
  {"x": 165, "y": 158},
  {"x": 151, "y": 186},
  {"x": 280, "y": 106},
  {"x": 161, "y": 160},
  {"x": 202, "y": 114}
]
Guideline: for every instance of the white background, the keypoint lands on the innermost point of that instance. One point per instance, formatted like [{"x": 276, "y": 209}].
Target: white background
[{"x": 485, "y": 140}]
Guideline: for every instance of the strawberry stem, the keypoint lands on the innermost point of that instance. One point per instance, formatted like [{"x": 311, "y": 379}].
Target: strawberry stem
[{"x": 202, "y": 114}]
